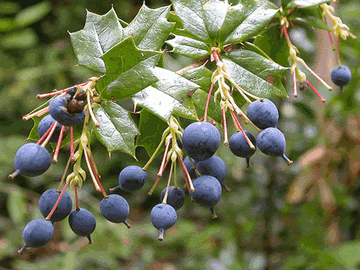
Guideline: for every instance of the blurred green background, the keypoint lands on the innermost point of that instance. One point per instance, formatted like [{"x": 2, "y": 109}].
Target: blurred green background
[{"x": 305, "y": 216}]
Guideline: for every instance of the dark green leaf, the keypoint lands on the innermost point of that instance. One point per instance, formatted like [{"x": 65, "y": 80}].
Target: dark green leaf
[
  {"x": 253, "y": 24},
  {"x": 128, "y": 70},
  {"x": 150, "y": 28},
  {"x": 214, "y": 111},
  {"x": 306, "y": 3},
  {"x": 200, "y": 75},
  {"x": 168, "y": 96},
  {"x": 312, "y": 21},
  {"x": 117, "y": 129},
  {"x": 32, "y": 14},
  {"x": 189, "y": 47},
  {"x": 23, "y": 39},
  {"x": 310, "y": 16},
  {"x": 151, "y": 129},
  {"x": 99, "y": 35}
]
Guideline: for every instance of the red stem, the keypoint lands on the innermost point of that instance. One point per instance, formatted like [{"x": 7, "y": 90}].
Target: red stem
[
  {"x": 56, "y": 203},
  {"x": 36, "y": 114},
  {"x": 237, "y": 123},
  {"x": 72, "y": 144},
  {"x": 157, "y": 180},
  {"x": 329, "y": 32},
  {"x": 45, "y": 134},
  {"x": 294, "y": 83},
  {"x": 226, "y": 137},
  {"x": 57, "y": 149},
  {"x": 216, "y": 56},
  {"x": 77, "y": 198},
  {"x": 186, "y": 175},
  {"x": 94, "y": 170},
  {"x": 162, "y": 166},
  {"x": 208, "y": 101},
  {"x": 316, "y": 92},
  {"x": 51, "y": 132}
]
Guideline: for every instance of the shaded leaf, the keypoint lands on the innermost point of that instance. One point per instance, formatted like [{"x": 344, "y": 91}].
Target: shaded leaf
[
  {"x": 168, "y": 96},
  {"x": 188, "y": 47},
  {"x": 214, "y": 111},
  {"x": 128, "y": 70},
  {"x": 117, "y": 129},
  {"x": 151, "y": 129},
  {"x": 150, "y": 28}
]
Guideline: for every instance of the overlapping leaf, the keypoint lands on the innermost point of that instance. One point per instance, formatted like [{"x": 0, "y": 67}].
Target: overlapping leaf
[
  {"x": 168, "y": 96},
  {"x": 117, "y": 129},
  {"x": 306, "y": 3},
  {"x": 150, "y": 28}
]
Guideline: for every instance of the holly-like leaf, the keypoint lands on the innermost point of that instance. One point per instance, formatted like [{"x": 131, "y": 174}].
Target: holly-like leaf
[
  {"x": 100, "y": 34},
  {"x": 306, "y": 3},
  {"x": 310, "y": 16},
  {"x": 150, "y": 28},
  {"x": 128, "y": 70},
  {"x": 151, "y": 129},
  {"x": 214, "y": 111},
  {"x": 252, "y": 82},
  {"x": 189, "y": 47},
  {"x": 168, "y": 96},
  {"x": 117, "y": 129},
  {"x": 200, "y": 75}
]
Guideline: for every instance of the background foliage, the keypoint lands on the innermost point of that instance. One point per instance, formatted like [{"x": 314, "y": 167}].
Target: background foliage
[{"x": 304, "y": 216}]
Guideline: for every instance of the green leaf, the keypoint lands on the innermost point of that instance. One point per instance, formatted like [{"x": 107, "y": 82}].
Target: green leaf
[
  {"x": 7, "y": 24},
  {"x": 150, "y": 28},
  {"x": 274, "y": 45},
  {"x": 214, "y": 111},
  {"x": 32, "y": 14},
  {"x": 254, "y": 23},
  {"x": 117, "y": 129},
  {"x": 17, "y": 202},
  {"x": 188, "y": 47},
  {"x": 310, "y": 16},
  {"x": 151, "y": 129},
  {"x": 200, "y": 75},
  {"x": 99, "y": 35},
  {"x": 9, "y": 8},
  {"x": 306, "y": 3},
  {"x": 168, "y": 96},
  {"x": 346, "y": 253},
  {"x": 252, "y": 82},
  {"x": 128, "y": 70},
  {"x": 23, "y": 39}
]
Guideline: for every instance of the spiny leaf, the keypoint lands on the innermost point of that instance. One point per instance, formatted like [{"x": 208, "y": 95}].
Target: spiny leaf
[
  {"x": 150, "y": 28},
  {"x": 168, "y": 96},
  {"x": 188, "y": 47},
  {"x": 151, "y": 129},
  {"x": 117, "y": 129},
  {"x": 100, "y": 34},
  {"x": 128, "y": 70}
]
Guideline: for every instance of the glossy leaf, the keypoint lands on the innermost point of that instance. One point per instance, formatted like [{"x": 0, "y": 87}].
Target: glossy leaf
[
  {"x": 117, "y": 129},
  {"x": 199, "y": 98},
  {"x": 100, "y": 34},
  {"x": 201, "y": 76},
  {"x": 168, "y": 96},
  {"x": 151, "y": 129},
  {"x": 150, "y": 28},
  {"x": 128, "y": 70},
  {"x": 306, "y": 3},
  {"x": 188, "y": 47}
]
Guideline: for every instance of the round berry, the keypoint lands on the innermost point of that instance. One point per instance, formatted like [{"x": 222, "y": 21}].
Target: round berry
[
  {"x": 263, "y": 113},
  {"x": 58, "y": 110},
  {"x": 47, "y": 201},
  {"x": 132, "y": 178},
  {"x": 115, "y": 209},
  {"x": 45, "y": 124},
  {"x": 240, "y": 147},
  {"x": 176, "y": 197},
  {"x": 82, "y": 222},
  {"x": 163, "y": 216},
  {"x": 341, "y": 76},
  {"x": 213, "y": 166},
  {"x": 188, "y": 166},
  {"x": 37, "y": 233},
  {"x": 201, "y": 140},
  {"x": 31, "y": 159}
]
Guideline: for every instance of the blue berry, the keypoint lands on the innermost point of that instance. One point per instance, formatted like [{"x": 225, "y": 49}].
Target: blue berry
[
  {"x": 213, "y": 166},
  {"x": 240, "y": 147},
  {"x": 45, "y": 124},
  {"x": 263, "y": 113},
  {"x": 131, "y": 178},
  {"x": 31, "y": 159},
  {"x": 207, "y": 192},
  {"x": 115, "y": 209},
  {"x": 82, "y": 222},
  {"x": 37, "y": 233},
  {"x": 271, "y": 142},
  {"x": 47, "y": 201},
  {"x": 188, "y": 166},
  {"x": 163, "y": 216},
  {"x": 341, "y": 76},
  {"x": 201, "y": 140},
  {"x": 176, "y": 197},
  {"x": 58, "y": 110}
]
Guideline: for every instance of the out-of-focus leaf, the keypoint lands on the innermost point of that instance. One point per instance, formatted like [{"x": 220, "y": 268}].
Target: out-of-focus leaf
[
  {"x": 151, "y": 129},
  {"x": 16, "y": 203},
  {"x": 168, "y": 96},
  {"x": 32, "y": 14},
  {"x": 150, "y": 28},
  {"x": 128, "y": 70},
  {"x": 7, "y": 24},
  {"x": 23, "y": 39},
  {"x": 349, "y": 254},
  {"x": 9, "y": 7},
  {"x": 117, "y": 129}
]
